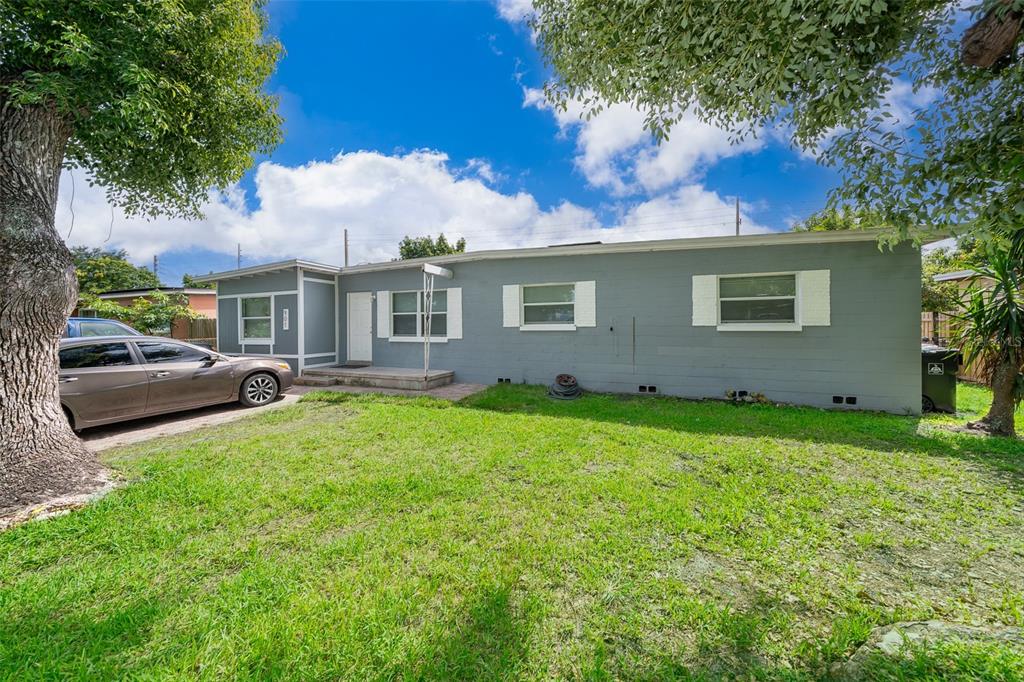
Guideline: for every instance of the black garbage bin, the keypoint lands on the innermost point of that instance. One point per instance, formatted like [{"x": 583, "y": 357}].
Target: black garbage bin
[{"x": 938, "y": 378}]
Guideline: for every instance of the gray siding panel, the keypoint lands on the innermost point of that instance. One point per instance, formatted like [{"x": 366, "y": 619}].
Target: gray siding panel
[
  {"x": 871, "y": 350},
  {"x": 286, "y": 342},
  {"x": 281, "y": 280},
  {"x": 227, "y": 325},
  {"x": 319, "y": 319}
]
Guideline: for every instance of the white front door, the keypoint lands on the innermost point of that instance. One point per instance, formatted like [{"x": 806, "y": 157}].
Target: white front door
[{"x": 360, "y": 329}]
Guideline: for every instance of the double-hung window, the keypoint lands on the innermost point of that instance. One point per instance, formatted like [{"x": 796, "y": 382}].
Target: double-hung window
[
  {"x": 549, "y": 304},
  {"x": 757, "y": 299},
  {"x": 256, "y": 320},
  {"x": 409, "y": 314}
]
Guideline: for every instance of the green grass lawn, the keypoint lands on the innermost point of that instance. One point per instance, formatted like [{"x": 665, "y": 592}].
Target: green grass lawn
[{"x": 511, "y": 536}]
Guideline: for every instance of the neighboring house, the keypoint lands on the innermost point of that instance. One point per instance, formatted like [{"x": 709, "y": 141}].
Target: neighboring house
[
  {"x": 203, "y": 301},
  {"x": 965, "y": 279},
  {"x": 816, "y": 318},
  {"x": 937, "y": 328}
]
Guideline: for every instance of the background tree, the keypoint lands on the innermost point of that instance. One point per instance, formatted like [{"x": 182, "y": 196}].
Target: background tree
[
  {"x": 423, "y": 247},
  {"x": 98, "y": 271},
  {"x": 826, "y": 73},
  {"x": 189, "y": 282},
  {"x": 152, "y": 314},
  {"x": 831, "y": 219},
  {"x": 157, "y": 102}
]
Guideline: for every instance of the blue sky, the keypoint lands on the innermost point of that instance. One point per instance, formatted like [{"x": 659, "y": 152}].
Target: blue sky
[{"x": 417, "y": 117}]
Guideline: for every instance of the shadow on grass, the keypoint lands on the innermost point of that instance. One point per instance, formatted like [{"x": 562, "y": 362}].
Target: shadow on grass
[
  {"x": 870, "y": 430},
  {"x": 51, "y": 643},
  {"x": 488, "y": 641}
]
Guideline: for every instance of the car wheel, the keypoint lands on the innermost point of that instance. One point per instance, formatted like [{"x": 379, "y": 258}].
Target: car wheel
[
  {"x": 258, "y": 389},
  {"x": 926, "y": 404}
]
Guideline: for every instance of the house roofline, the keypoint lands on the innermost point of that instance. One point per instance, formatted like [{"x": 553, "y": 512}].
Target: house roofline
[
  {"x": 264, "y": 268},
  {"x": 764, "y": 239},
  {"x": 121, "y": 293},
  {"x": 953, "y": 276}
]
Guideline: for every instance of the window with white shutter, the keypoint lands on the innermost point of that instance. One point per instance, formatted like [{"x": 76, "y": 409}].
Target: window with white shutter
[{"x": 774, "y": 301}]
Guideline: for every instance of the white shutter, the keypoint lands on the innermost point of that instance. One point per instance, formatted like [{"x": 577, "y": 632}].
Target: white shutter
[
  {"x": 383, "y": 314},
  {"x": 455, "y": 313},
  {"x": 814, "y": 292},
  {"x": 705, "y": 300},
  {"x": 510, "y": 305},
  {"x": 586, "y": 304}
]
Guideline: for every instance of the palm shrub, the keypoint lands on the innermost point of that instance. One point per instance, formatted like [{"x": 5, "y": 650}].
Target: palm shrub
[{"x": 990, "y": 331}]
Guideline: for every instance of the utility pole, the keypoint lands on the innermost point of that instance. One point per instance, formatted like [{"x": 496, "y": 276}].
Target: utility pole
[
  {"x": 346, "y": 247},
  {"x": 238, "y": 266},
  {"x": 737, "y": 216}
]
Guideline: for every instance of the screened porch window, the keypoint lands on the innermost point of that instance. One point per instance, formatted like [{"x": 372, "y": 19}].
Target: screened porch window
[
  {"x": 256, "y": 319},
  {"x": 409, "y": 314},
  {"x": 769, "y": 299}
]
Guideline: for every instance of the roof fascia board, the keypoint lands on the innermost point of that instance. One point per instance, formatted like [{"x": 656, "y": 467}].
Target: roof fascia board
[{"x": 265, "y": 268}]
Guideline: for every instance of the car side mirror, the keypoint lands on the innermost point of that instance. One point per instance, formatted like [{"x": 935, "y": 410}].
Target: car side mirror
[{"x": 210, "y": 360}]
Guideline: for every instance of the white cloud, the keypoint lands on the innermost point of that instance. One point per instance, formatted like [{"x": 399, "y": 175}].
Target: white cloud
[
  {"x": 515, "y": 10},
  {"x": 301, "y": 211},
  {"x": 615, "y": 152}
]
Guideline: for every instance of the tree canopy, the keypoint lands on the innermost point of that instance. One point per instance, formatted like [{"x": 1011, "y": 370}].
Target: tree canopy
[
  {"x": 150, "y": 314},
  {"x": 423, "y": 247},
  {"x": 189, "y": 281},
  {"x": 164, "y": 100},
  {"x": 99, "y": 271},
  {"x": 831, "y": 76}
]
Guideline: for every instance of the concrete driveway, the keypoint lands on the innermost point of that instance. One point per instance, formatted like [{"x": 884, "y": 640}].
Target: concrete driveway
[
  {"x": 125, "y": 433},
  {"x": 137, "y": 430}
]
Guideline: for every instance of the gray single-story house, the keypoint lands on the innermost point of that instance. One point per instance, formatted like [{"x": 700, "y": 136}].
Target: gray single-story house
[{"x": 816, "y": 318}]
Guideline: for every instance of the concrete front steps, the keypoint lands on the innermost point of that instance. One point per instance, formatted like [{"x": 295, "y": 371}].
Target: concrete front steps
[{"x": 376, "y": 377}]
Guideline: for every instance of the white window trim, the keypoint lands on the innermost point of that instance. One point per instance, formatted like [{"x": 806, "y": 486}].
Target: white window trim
[
  {"x": 545, "y": 327},
  {"x": 241, "y": 326},
  {"x": 419, "y": 318},
  {"x": 794, "y": 326}
]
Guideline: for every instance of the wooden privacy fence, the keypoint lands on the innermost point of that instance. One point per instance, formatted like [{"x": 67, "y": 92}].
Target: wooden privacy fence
[
  {"x": 202, "y": 331},
  {"x": 938, "y": 328}
]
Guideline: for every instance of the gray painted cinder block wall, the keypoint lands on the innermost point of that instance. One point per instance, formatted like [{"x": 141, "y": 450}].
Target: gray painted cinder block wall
[{"x": 871, "y": 350}]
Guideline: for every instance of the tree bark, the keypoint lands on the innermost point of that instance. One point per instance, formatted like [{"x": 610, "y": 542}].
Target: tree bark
[
  {"x": 990, "y": 42},
  {"x": 999, "y": 420},
  {"x": 40, "y": 456}
]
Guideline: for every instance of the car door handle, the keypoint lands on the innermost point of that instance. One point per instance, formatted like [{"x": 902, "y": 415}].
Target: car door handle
[
  {"x": 157, "y": 375},
  {"x": 65, "y": 380}
]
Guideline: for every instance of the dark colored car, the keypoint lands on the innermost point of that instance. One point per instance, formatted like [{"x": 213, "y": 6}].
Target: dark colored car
[
  {"x": 97, "y": 326},
  {"x": 107, "y": 379}
]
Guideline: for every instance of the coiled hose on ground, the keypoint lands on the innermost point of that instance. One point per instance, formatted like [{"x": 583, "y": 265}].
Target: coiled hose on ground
[{"x": 565, "y": 388}]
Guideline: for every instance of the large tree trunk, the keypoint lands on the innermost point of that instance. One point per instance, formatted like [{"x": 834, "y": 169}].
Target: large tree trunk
[
  {"x": 999, "y": 420},
  {"x": 40, "y": 457}
]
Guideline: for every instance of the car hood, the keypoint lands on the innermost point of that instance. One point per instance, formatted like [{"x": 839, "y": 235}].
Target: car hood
[{"x": 250, "y": 358}]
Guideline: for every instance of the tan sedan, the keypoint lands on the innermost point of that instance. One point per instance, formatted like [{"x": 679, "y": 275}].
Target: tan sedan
[{"x": 106, "y": 379}]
